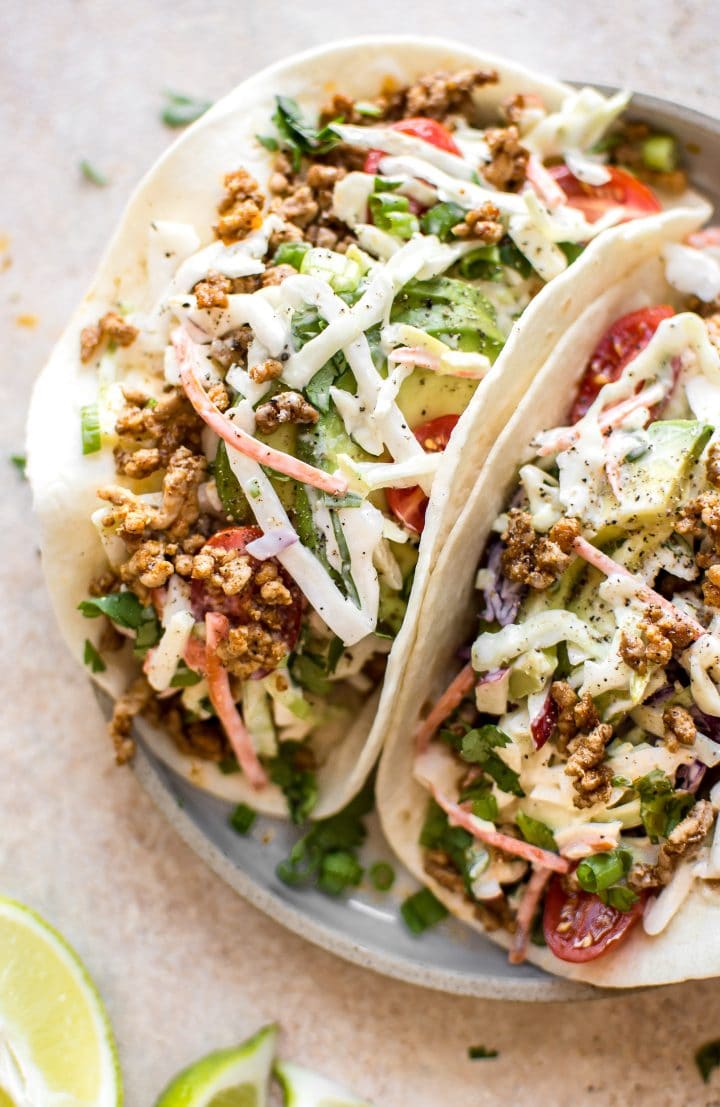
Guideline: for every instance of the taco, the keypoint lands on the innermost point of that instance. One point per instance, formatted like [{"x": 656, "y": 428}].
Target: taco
[
  {"x": 562, "y": 791},
  {"x": 234, "y": 444}
]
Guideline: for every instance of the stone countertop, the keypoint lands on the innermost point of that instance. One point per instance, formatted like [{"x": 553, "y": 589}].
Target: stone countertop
[{"x": 183, "y": 963}]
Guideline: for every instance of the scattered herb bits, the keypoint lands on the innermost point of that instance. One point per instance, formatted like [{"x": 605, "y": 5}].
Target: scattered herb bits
[
  {"x": 92, "y": 174},
  {"x": 382, "y": 876},
  {"x": 90, "y": 428},
  {"x": 481, "y": 1053},
  {"x": 92, "y": 658},
  {"x": 707, "y": 1058},
  {"x": 422, "y": 910},
  {"x": 242, "y": 818},
  {"x": 181, "y": 110},
  {"x": 20, "y": 463}
]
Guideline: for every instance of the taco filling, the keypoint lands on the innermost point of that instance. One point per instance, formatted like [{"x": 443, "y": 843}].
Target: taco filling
[
  {"x": 277, "y": 419},
  {"x": 573, "y": 761}
]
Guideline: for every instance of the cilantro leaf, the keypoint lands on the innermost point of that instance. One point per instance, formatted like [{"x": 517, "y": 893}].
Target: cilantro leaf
[
  {"x": 535, "y": 832},
  {"x": 181, "y": 110},
  {"x": 93, "y": 175},
  {"x": 92, "y": 658},
  {"x": 297, "y": 135},
  {"x": 661, "y": 807},
  {"x": 478, "y": 747},
  {"x": 123, "y": 608},
  {"x": 20, "y": 463},
  {"x": 484, "y": 803}
]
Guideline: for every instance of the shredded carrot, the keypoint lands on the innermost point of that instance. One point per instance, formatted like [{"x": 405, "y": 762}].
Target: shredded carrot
[
  {"x": 216, "y": 628},
  {"x": 239, "y": 439},
  {"x": 526, "y": 913},
  {"x": 451, "y": 698}
]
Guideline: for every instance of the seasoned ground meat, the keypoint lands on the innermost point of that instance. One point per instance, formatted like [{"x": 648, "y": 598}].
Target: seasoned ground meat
[
  {"x": 680, "y": 729},
  {"x": 276, "y": 274},
  {"x": 591, "y": 779},
  {"x": 111, "y": 328},
  {"x": 299, "y": 206},
  {"x": 285, "y": 407},
  {"x": 574, "y": 714},
  {"x": 147, "y": 567},
  {"x": 496, "y": 914},
  {"x": 232, "y": 348},
  {"x": 534, "y": 560},
  {"x": 218, "y": 394},
  {"x": 155, "y": 431},
  {"x": 269, "y": 370},
  {"x": 130, "y": 704},
  {"x": 681, "y": 844},
  {"x": 228, "y": 570},
  {"x": 711, "y": 586},
  {"x": 212, "y": 292},
  {"x": 482, "y": 223},
  {"x": 251, "y": 648},
  {"x": 508, "y": 167},
  {"x": 437, "y": 95},
  {"x": 438, "y": 865},
  {"x": 240, "y": 209},
  {"x": 179, "y": 510}
]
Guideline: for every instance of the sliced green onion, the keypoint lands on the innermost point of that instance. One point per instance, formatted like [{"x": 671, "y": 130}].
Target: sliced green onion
[
  {"x": 339, "y": 870},
  {"x": 92, "y": 658},
  {"x": 93, "y": 175},
  {"x": 620, "y": 897},
  {"x": 659, "y": 152},
  {"x": 90, "y": 428},
  {"x": 366, "y": 107},
  {"x": 422, "y": 911},
  {"x": 382, "y": 876},
  {"x": 392, "y": 213},
  {"x": 242, "y": 818},
  {"x": 600, "y": 870}
]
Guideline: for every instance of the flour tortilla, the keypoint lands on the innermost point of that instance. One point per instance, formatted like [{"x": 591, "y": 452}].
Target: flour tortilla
[
  {"x": 183, "y": 186},
  {"x": 622, "y": 277}
]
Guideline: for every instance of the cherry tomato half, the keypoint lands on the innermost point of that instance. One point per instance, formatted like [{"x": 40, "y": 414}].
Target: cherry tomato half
[
  {"x": 622, "y": 190},
  {"x": 243, "y": 608},
  {"x": 429, "y": 130},
  {"x": 626, "y": 338},
  {"x": 410, "y": 504},
  {"x": 578, "y": 926}
]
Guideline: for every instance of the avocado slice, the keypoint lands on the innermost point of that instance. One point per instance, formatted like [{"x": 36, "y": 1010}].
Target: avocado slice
[{"x": 652, "y": 480}]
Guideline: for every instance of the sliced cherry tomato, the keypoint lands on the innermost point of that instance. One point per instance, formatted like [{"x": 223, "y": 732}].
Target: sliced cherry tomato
[
  {"x": 622, "y": 190},
  {"x": 578, "y": 926},
  {"x": 410, "y": 504},
  {"x": 429, "y": 130},
  {"x": 623, "y": 342},
  {"x": 244, "y": 607}
]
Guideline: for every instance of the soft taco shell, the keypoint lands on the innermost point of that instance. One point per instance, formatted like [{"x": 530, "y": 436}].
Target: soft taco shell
[{"x": 622, "y": 274}]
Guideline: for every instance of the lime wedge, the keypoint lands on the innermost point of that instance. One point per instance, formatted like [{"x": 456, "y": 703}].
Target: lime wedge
[
  {"x": 56, "y": 1044},
  {"x": 303, "y": 1088},
  {"x": 236, "y": 1077}
]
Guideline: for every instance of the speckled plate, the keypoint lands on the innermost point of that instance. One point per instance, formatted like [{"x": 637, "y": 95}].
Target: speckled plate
[{"x": 366, "y": 927}]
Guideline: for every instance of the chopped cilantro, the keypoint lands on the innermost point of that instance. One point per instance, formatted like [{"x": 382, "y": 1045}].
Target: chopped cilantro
[
  {"x": 478, "y": 745},
  {"x": 93, "y": 175},
  {"x": 125, "y": 609},
  {"x": 382, "y": 876},
  {"x": 92, "y": 658},
  {"x": 603, "y": 873},
  {"x": 441, "y": 218},
  {"x": 480, "y": 1053},
  {"x": 298, "y": 136},
  {"x": 707, "y": 1058},
  {"x": 661, "y": 807},
  {"x": 242, "y": 818},
  {"x": 298, "y": 784},
  {"x": 535, "y": 832},
  {"x": 180, "y": 110},
  {"x": 422, "y": 910},
  {"x": 326, "y": 856},
  {"x": 484, "y": 804}
]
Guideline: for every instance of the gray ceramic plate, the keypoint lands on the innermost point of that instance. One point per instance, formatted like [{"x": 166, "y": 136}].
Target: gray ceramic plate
[{"x": 366, "y": 927}]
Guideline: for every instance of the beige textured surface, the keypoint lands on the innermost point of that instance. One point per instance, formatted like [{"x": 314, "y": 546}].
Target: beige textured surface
[{"x": 184, "y": 964}]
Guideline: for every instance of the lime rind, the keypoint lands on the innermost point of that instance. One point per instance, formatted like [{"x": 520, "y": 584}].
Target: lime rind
[
  {"x": 247, "y": 1065},
  {"x": 304, "y": 1088},
  {"x": 18, "y": 1053}
]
